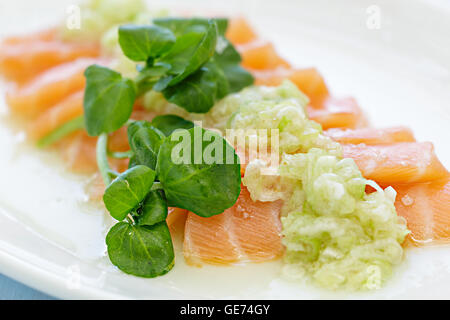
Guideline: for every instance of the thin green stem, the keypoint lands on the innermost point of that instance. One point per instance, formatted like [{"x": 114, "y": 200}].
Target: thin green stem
[
  {"x": 102, "y": 158},
  {"x": 120, "y": 155},
  {"x": 62, "y": 131},
  {"x": 156, "y": 186}
]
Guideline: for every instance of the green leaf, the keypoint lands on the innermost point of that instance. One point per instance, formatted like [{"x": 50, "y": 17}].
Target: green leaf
[
  {"x": 148, "y": 76},
  {"x": 108, "y": 100},
  {"x": 144, "y": 251},
  {"x": 191, "y": 51},
  {"x": 153, "y": 209},
  {"x": 142, "y": 42},
  {"x": 200, "y": 91},
  {"x": 128, "y": 190},
  {"x": 144, "y": 141},
  {"x": 200, "y": 176},
  {"x": 183, "y": 25},
  {"x": 229, "y": 61},
  {"x": 168, "y": 123}
]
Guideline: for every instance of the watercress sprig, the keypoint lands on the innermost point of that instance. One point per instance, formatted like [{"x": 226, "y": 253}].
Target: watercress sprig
[
  {"x": 172, "y": 162},
  {"x": 188, "y": 60},
  {"x": 195, "y": 169}
]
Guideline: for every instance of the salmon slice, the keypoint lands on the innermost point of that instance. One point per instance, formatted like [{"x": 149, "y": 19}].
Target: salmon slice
[
  {"x": 261, "y": 56},
  {"x": 22, "y": 61},
  {"x": 43, "y": 35},
  {"x": 371, "y": 136},
  {"x": 53, "y": 118},
  {"x": 240, "y": 32},
  {"x": 248, "y": 231},
  {"x": 309, "y": 81},
  {"x": 49, "y": 88},
  {"x": 338, "y": 113},
  {"x": 79, "y": 153},
  {"x": 426, "y": 208},
  {"x": 398, "y": 163},
  {"x": 176, "y": 220}
]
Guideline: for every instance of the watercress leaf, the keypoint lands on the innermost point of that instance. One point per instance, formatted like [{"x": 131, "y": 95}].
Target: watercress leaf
[
  {"x": 148, "y": 76},
  {"x": 190, "y": 52},
  {"x": 108, "y": 100},
  {"x": 229, "y": 62},
  {"x": 144, "y": 251},
  {"x": 144, "y": 141},
  {"x": 198, "y": 175},
  {"x": 153, "y": 209},
  {"x": 199, "y": 91},
  {"x": 133, "y": 162},
  {"x": 183, "y": 25},
  {"x": 168, "y": 123},
  {"x": 128, "y": 190},
  {"x": 147, "y": 41}
]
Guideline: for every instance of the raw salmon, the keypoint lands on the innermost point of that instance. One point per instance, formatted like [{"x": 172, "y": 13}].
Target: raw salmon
[
  {"x": 338, "y": 113},
  {"x": 261, "y": 56},
  {"x": 43, "y": 35},
  {"x": 248, "y": 231},
  {"x": 176, "y": 220},
  {"x": 426, "y": 208},
  {"x": 398, "y": 163},
  {"x": 79, "y": 153},
  {"x": 49, "y": 88},
  {"x": 240, "y": 32},
  {"x": 309, "y": 81},
  {"x": 371, "y": 136},
  {"x": 51, "y": 119},
  {"x": 22, "y": 61}
]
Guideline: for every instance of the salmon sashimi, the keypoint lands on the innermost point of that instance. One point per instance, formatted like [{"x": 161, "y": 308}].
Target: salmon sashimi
[
  {"x": 240, "y": 32},
  {"x": 51, "y": 119},
  {"x": 176, "y": 220},
  {"x": 248, "y": 231},
  {"x": 49, "y": 88},
  {"x": 79, "y": 154},
  {"x": 309, "y": 81},
  {"x": 43, "y": 35},
  {"x": 261, "y": 56},
  {"x": 426, "y": 208},
  {"x": 338, "y": 113},
  {"x": 371, "y": 136},
  {"x": 398, "y": 163},
  {"x": 22, "y": 61}
]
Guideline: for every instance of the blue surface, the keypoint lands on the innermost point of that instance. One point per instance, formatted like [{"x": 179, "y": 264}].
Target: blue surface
[{"x": 13, "y": 290}]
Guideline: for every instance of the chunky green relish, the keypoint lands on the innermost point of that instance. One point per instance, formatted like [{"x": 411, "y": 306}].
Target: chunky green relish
[{"x": 334, "y": 233}]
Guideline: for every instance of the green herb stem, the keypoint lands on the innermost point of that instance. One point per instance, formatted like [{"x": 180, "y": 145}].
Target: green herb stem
[
  {"x": 102, "y": 158},
  {"x": 120, "y": 155},
  {"x": 156, "y": 186}
]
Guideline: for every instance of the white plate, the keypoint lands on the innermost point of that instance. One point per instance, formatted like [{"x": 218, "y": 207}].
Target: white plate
[{"x": 397, "y": 67}]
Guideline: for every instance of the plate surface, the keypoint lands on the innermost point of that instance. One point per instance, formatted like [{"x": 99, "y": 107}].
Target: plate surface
[{"x": 397, "y": 67}]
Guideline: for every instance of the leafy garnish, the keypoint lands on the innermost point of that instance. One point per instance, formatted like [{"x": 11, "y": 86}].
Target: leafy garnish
[
  {"x": 188, "y": 60},
  {"x": 108, "y": 100},
  {"x": 194, "y": 184},
  {"x": 168, "y": 123},
  {"x": 191, "y": 50},
  {"x": 194, "y": 66},
  {"x": 144, "y": 251},
  {"x": 140, "y": 43},
  {"x": 182, "y": 25},
  {"x": 153, "y": 209},
  {"x": 144, "y": 141},
  {"x": 198, "y": 92},
  {"x": 128, "y": 190}
]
